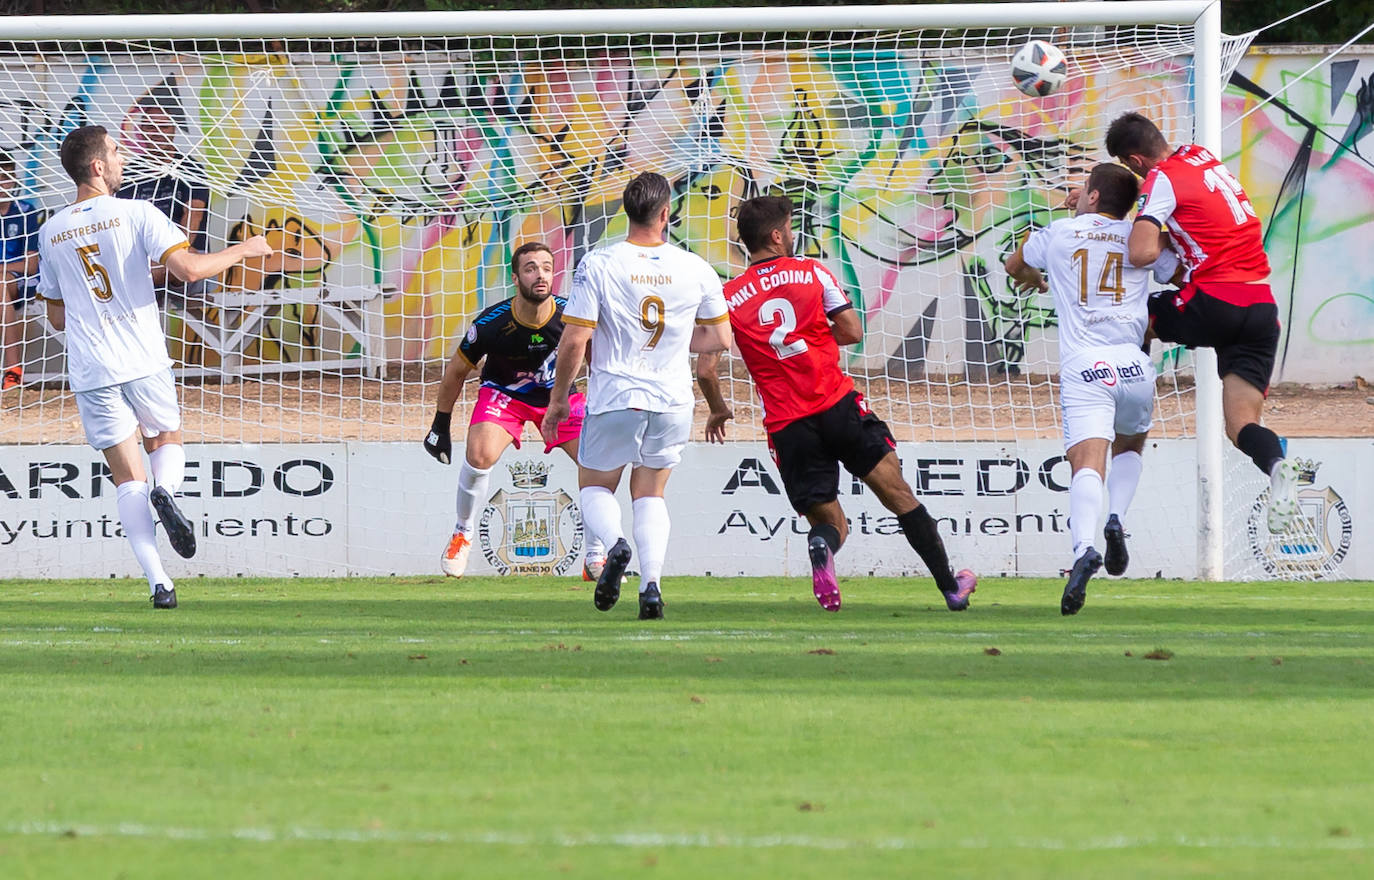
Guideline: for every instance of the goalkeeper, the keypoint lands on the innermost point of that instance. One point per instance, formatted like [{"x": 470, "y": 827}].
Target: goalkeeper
[{"x": 519, "y": 339}]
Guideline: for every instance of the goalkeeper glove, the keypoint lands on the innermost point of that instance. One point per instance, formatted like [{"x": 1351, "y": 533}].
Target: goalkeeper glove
[{"x": 437, "y": 441}]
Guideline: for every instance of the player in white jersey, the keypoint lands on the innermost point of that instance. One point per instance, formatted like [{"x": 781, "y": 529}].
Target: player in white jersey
[
  {"x": 1106, "y": 380},
  {"x": 643, "y": 305},
  {"x": 96, "y": 277}
]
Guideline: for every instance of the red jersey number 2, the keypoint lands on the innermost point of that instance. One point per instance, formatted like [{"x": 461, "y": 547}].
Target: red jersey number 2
[{"x": 779, "y": 311}]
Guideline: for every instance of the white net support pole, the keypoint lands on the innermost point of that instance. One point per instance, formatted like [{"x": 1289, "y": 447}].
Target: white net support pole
[{"x": 1210, "y": 429}]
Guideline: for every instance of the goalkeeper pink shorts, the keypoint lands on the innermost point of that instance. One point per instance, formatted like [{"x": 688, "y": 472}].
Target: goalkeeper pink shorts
[{"x": 495, "y": 405}]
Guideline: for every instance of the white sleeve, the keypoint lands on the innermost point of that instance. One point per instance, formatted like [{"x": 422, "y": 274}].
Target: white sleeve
[
  {"x": 583, "y": 307},
  {"x": 157, "y": 233},
  {"x": 1157, "y": 199},
  {"x": 1165, "y": 267},
  {"x": 712, "y": 309},
  {"x": 48, "y": 288},
  {"x": 833, "y": 298},
  {"x": 1036, "y": 250}
]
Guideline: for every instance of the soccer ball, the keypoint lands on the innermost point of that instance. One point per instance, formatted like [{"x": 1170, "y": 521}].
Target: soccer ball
[{"x": 1038, "y": 68}]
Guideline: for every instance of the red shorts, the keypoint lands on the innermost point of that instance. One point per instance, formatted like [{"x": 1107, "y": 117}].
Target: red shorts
[{"x": 511, "y": 414}]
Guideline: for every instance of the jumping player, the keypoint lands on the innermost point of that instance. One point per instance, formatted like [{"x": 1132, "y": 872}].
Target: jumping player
[
  {"x": 1226, "y": 303},
  {"x": 1106, "y": 380},
  {"x": 789, "y": 318},
  {"x": 519, "y": 339}
]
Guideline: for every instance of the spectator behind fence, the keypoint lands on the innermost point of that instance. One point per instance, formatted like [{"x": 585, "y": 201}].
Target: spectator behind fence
[{"x": 19, "y": 222}]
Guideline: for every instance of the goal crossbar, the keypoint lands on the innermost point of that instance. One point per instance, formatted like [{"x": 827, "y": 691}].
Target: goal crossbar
[{"x": 616, "y": 21}]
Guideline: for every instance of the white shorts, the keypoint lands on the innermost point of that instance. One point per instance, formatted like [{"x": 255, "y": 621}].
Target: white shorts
[
  {"x": 1105, "y": 392},
  {"x": 112, "y": 413},
  {"x": 614, "y": 439}
]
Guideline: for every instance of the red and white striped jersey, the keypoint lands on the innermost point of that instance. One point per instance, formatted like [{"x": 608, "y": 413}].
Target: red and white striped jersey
[{"x": 1210, "y": 220}]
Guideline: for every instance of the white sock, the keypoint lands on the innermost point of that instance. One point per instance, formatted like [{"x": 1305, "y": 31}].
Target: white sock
[
  {"x": 472, "y": 489},
  {"x": 169, "y": 466},
  {"x": 1085, "y": 504},
  {"x": 136, "y": 518},
  {"x": 1121, "y": 482},
  {"x": 594, "y": 548},
  {"x": 651, "y": 538},
  {"x": 600, "y": 515}
]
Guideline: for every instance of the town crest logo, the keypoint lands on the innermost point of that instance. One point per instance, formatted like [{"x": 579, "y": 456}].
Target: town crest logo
[
  {"x": 530, "y": 529},
  {"x": 1320, "y": 536}
]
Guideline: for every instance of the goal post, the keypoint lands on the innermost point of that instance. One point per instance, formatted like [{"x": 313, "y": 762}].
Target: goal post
[
  {"x": 1210, "y": 430},
  {"x": 395, "y": 160}
]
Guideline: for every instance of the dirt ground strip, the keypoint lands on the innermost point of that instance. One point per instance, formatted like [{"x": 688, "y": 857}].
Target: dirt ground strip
[{"x": 309, "y": 409}]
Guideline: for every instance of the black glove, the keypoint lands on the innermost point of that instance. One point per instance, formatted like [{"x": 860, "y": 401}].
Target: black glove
[{"x": 437, "y": 441}]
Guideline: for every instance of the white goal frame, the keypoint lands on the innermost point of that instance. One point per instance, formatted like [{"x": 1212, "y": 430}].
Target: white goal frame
[{"x": 1203, "y": 15}]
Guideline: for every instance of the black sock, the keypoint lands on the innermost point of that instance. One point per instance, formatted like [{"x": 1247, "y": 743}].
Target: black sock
[
  {"x": 828, "y": 532},
  {"x": 924, "y": 538},
  {"x": 1261, "y": 444}
]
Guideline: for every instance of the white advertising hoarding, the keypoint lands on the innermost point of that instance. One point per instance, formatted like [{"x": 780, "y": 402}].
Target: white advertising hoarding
[{"x": 387, "y": 508}]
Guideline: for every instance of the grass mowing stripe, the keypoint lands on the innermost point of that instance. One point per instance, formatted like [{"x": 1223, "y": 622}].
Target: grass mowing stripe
[{"x": 654, "y": 840}]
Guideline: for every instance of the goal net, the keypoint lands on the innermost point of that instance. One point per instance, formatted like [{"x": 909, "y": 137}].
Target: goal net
[{"x": 395, "y": 167}]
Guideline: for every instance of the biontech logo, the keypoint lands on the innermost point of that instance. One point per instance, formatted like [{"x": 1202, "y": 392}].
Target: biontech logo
[
  {"x": 1101, "y": 371},
  {"x": 1109, "y": 375}
]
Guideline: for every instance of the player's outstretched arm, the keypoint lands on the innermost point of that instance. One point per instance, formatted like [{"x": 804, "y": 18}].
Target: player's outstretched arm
[
  {"x": 439, "y": 442},
  {"x": 571, "y": 349},
  {"x": 1026, "y": 276},
  {"x": 190, "y": 266},
  {"x": 708, "y": 378}
]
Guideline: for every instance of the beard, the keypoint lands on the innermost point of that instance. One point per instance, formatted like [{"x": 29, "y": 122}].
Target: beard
[
  {"x": 113, "y": 180},
  {"x": 533, "y": 296}
]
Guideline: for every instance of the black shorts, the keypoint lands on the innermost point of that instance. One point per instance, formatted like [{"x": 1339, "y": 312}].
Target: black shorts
[
  {"x": 1246, "y": 338},
  {"x": 809, "y": 451}
]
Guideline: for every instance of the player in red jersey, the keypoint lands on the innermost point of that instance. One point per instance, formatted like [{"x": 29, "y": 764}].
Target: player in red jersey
[
  {"x": 790, "y": 317},
  {"x": 1226, "y": 303}
]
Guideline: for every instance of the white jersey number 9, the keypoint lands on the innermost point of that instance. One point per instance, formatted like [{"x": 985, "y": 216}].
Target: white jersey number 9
[{"x": 651, "y": 319}]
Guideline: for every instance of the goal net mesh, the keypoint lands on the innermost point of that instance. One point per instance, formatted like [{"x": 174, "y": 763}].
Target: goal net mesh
[{"x": 394, "y": 178}]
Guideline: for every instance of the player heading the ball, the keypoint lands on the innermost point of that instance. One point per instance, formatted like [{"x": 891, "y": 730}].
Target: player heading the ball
[
  {"x": 517, "y": 344},
  {"x": 1191, "y": 200},
  {"x": 790, "y": 317},
  {"x": 95, "y": 256}
]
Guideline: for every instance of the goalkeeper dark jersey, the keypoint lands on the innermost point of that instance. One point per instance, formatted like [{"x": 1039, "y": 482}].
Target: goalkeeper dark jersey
[{"x": 520, "y": 358}]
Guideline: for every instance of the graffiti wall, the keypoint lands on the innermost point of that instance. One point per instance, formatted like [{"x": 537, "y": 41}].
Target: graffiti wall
[
  {"x": 1307, "y": 162},
  {"x": 915, "y": 175}
]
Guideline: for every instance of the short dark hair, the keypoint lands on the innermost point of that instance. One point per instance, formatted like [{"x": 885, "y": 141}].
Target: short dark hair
[
  {"x": 1132, "y": 134},
  {"x": 759, "y": 216},
  {"x": 7, "y": 161},
  {"x": 1117, "y": 188},
  {"x": 80, "y": 148},
  {"x": 644, "y": 196},
  {"x": 527, "y": 247}
]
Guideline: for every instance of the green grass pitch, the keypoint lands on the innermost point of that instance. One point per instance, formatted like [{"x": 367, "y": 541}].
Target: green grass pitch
[{"x": 504, "y": 728}]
